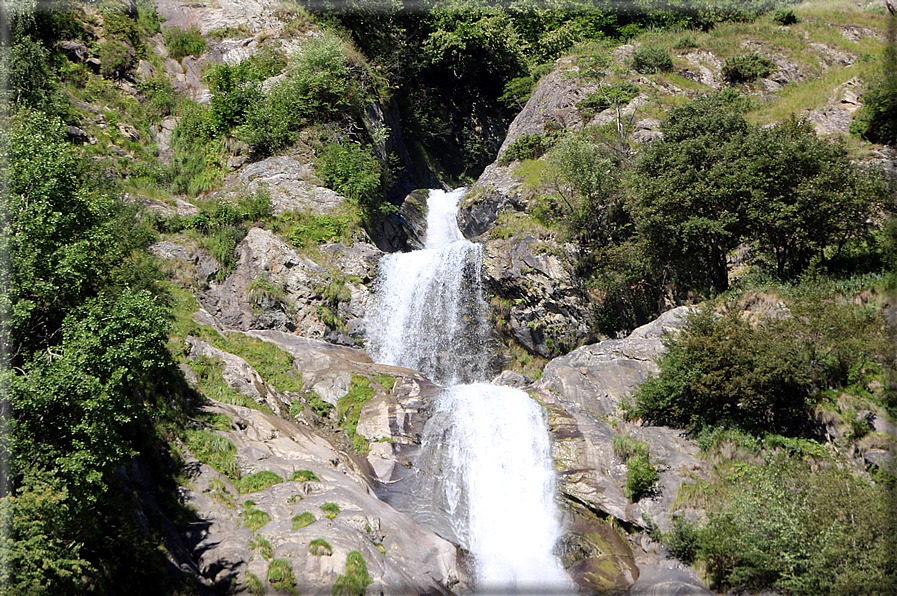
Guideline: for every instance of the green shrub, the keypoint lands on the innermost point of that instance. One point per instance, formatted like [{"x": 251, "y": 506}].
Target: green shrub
[
  {"x": 116, "y": 58},
  {"x": 330, "y": 510},
  {"x": 182, "y": 43},
  {"x": 258, "y": 481},
  {"x": 319, "y": 87},
  {"x": 303, "y": 519},
  {"x": 355, "y": 580},
  {"x": 618, "y": 94},
  {"x": 527, "y": 146},
  {"x": 320, "y": 547},
  {"x": 682, "y": 540},
  {"x": 876, "y": 120},
  {"x": 641, "y": 476},
  {"x": 784, "y": 17},
  {"x": 353, "y": 171},
  {"x": 651, "y": 60},
  {"x": 304, "y": 476},
  {"x": 280, "y": 576},
  {"x": 801, "y": 528},
  {"x": 747, "y": 68}
]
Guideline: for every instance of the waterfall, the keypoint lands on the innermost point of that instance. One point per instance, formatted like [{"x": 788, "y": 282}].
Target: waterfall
[
  {"x": 429, "y": 314},
  {"x": 485, "y": 469}
]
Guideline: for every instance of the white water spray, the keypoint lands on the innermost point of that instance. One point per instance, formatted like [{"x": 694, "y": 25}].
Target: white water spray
[{"x": 485, "y": 459}]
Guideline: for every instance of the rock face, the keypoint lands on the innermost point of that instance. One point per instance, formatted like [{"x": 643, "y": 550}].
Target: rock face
[
  {"x": 402, "y": 557},
  {"x": 274, "y": 287},
  {"x": 290, "y": 182},
  {"x": 579, "y": 388},
  {"x": 547, "y": 310}
]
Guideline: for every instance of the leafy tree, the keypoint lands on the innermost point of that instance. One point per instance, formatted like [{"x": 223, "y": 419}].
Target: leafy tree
[
  {"x": 87, "y": 361},
  {"x": 876, "y": 120},
  {"x": 714, "y": 181},
  {"x": 689, "y": 192},
  {"x": 806, "y": 196}
]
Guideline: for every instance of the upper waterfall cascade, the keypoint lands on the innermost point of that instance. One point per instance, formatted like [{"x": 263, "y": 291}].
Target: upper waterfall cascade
[{"x": 485, "y": 468}]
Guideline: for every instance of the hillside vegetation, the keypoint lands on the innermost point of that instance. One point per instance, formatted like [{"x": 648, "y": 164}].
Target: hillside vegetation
[{"x": 727, "y": 195}]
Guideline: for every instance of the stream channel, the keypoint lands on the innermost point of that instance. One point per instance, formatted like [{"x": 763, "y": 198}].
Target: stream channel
[{"x": 484, "y": 477}]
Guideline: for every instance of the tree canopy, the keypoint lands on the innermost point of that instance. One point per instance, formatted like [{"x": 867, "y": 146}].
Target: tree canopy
[{"x": 715, "y": 182}]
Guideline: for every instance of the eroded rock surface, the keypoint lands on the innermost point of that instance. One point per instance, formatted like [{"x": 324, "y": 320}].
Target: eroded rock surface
[
  {"x": 402, "y": 557},
  {"x": 275, "y": 287}
]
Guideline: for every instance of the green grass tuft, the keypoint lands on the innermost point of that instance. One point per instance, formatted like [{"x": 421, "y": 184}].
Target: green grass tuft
[
  {"x": 258, "y": 481},
  {"x": 305, "y": 518}
]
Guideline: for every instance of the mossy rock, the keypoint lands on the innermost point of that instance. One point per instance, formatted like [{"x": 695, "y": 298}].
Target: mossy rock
[{"x": 596, "y": 555}]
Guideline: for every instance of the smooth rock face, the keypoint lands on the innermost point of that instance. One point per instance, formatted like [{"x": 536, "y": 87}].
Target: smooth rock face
[{"x": 413, "y": 559}]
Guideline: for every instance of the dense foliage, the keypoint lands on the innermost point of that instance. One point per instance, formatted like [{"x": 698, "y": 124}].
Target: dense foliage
[
  {"x": 715, "y": 182},
  {"x": 805, "y": 527},
  {"x": 723, "y": 371},
  {"x": 88, "y": 367}
]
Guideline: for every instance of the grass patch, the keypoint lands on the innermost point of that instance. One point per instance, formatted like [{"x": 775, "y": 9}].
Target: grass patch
[
  {"x": 320, "y": 547},
  {"x": 280, "y": 576},
  {"x": 262, "y": 546},
  {"x": 213, "y": 386},
  {"x": 254, "y": 585},
  {"x": 218, "y": 491},
  {"x": 330, "y": 510},
  {"x": 304, "y": 476},
  {"x": 306, "y": 518},
  {"x": 355, "y": 580},
  {"x": 386, "y": 381},
  {"x": 273, "y": 364},
  {"x": 258, "y": 481},
  {"x": 254, "y": 518},
  {"x": 349, "y": 409},
  {"x": 182, "y": 43},
  {"x": 213, "y": 450}
]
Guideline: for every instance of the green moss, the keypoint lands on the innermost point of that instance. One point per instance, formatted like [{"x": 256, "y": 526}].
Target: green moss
[{"x": 349, "y": 409}]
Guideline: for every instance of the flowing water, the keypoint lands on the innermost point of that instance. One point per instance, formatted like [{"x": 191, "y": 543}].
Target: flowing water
[{"x": 486, "y": 478}]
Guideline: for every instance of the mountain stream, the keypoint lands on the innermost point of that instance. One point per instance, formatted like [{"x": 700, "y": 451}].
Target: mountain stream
[{"x": 485, "y": 477}]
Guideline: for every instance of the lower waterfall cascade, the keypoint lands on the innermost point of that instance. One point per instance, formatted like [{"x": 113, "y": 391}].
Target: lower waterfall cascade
[{"x": 485, "y": 459}]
